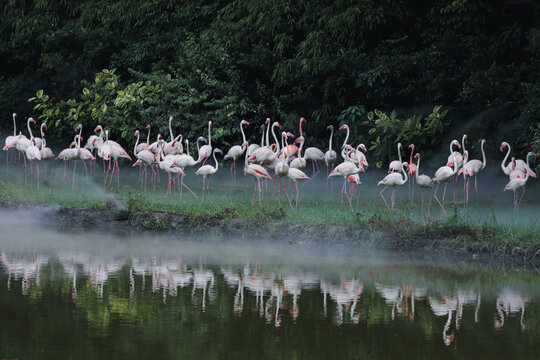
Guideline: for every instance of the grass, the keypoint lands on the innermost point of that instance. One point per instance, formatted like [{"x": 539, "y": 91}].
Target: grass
[{"x": 319, "y": 209}]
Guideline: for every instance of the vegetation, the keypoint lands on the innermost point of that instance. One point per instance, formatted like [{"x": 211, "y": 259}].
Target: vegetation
[{"x": 130, "y": 63}]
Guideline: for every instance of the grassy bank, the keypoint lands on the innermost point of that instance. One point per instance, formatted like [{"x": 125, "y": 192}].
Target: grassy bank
[{"x": 320, "y": 216}]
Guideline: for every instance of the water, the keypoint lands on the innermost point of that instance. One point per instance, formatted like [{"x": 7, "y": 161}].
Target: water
[{"x": 67, "y": 294}]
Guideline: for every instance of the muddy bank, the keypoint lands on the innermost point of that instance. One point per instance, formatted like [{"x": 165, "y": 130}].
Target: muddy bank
[{"x": 117, "y": 218}]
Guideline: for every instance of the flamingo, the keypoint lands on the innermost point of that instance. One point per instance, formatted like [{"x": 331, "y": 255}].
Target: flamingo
[
  {"x": 444, "y": 174},
  {"x": 459, "y": 160},
  {"x": 346, "y": 169},
  {"x": 282, "y": 167},
  {"x": 154, "y": 147},
  {"x": 167, "y": 166},
  {"x": 84, "y": 154},
  {"x": 144, "y": 146},
  {"x": 423, "y": 182},
  {"x": 293, "y": 149},
  {"x": 314, "y": 154},
  {"x": 206, "y": 150},
  {"x": 473, "y": 167},
  {"x": 515, "y": 174},
  {"x": 357, "y": 156},
  {"x": 185, "y": 160},
  {"x": 300, "y": 162},
  {"x": 33, "y": 154},
  {"x": 236, "y": 151},
  {"x": 208, "y": 170},
  {"x": 520, "y": 164},
  {"x": 72, "y": 154},
  {"x": 265, "y": 154},
  {"x": 144, "y": 158},
  {"x": 116, "y": 153},
  {"x": 330, "y": 156},
  {"x": 11, "y": 141},
  {"x": 296, "y": 175},
  {"x": 46, "y": 153},
  {"x": 346, "y": 127},
  {"x": 174, "y": 147},
  {"x": 396, "y": 165},
  {"x": 411, "y": 170},
  {"x": 516, "y": 184},
  {"x": 24, "y": 142},
  {"x": 394, "y": 179},
  {"x": 258, "y": 173}
]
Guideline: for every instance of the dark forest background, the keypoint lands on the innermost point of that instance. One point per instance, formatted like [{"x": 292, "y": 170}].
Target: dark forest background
[{"x": 393, "y": 70}]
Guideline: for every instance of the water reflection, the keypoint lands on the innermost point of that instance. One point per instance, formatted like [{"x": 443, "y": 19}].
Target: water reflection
[{"x": 274, "y": 293}]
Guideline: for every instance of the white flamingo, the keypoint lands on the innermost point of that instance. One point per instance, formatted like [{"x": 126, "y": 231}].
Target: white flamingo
[
  {"x": 184, "y": 161},
  {"x": 394, "y": 179},
  {"x": 296, "y": 175},
  {"x": 444, "y": 174},
  {"x": 208, "y": 170},
  {"x": 33, "y": 154},
  {"x": 144, "y": 158},
  {"x": 330, "y": 156},
  {"x": 11, "y": 141},
  {"x": 144, "y": 146},
  {"x": 282, "y": 167},
  {"x": 346, "y": 169},
  {"x": 520, "y": 164},
  {"x": 46, "y": 153},
  {"x": 173, "y": 147},
  {"x": 236, "y": 151},
  {"x": 300, "y": 162},
  {"x": 206, "y": 150},
  {"x": 516, "y": 184},
  {"x": 25, "y": 142}
]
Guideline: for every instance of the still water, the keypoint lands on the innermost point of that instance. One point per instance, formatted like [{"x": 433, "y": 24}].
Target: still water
[{"x": 74, "y": 294}]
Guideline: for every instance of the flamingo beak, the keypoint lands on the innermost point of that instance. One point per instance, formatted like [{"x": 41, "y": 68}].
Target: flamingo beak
[
  {"x": 247, "y": 123},
  {"x": 148, "y": 126},
  {"x": 341, "y": 127},
  {"x": 280, "y": 127}
]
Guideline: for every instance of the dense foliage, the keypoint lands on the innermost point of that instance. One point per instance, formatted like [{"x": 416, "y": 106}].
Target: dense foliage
[{"x": 228, "y": 60}]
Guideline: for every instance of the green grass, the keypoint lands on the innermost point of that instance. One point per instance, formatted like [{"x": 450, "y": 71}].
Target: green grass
[{"x": 319, "y": 208}]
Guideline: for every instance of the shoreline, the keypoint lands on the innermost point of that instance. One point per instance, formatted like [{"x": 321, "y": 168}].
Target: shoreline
[{"x": 377, "y": 232}]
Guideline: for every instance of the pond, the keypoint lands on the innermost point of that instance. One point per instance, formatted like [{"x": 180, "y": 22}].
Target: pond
[{"x": 95, "y": 295}]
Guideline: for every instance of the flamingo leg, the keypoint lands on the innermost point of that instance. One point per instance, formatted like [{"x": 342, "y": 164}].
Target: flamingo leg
[
  {"x": 37, "y": 168},
  {"x": 393, "y": 196},
  {"x": 297, "y": 195},
  {"x": 381, "y": 193},
  {"x": 521, "y": 197},
  {"x": 444, "y": 192},
  {"x": 260, "y": 194},
  {"x": 422, "y": 197},
  {"x": 288, "y": 198},
  {"x": 73, "y": 177},
  {"x": 254, "y": 191},
  {"x": 436, "y": 198}
]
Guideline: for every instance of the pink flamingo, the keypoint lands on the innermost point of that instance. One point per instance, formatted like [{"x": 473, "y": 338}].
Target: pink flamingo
[
  {"x": 144, "y": 158},
  {"x": 33, "y": 154},
  {"x": 516, "y": 184},
  {"x": 346, "y": 169},
  {"x": 144, "y": 146},
  {"x": 24, "y": 142},
  {"x": 296, "y": 175},
  {"x": 411, "y": 170},
  {"x": 393, "y": 179},
  {"x": 282, "y": 167},
  {"x": 292, "y": 149},
  {"x": 444, "y": 174},
  {"x": 167, "y": 166},
  {"x": 258, "y": 173},
  {"x": 459, "y": 157},
  {"x": 330, "y": 156},
  {"x": 185, "y": 160},
  {"x": 236, "y": 151},
  {"x": 208, "y": 170},
  {"x": 472, "y": 167},
  {"x": 174, "y": 147},
  {"x": 520, "y": 164}
]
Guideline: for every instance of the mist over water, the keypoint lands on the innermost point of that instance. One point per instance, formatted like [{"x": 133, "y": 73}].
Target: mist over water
[{"x": 94, "y": 295}]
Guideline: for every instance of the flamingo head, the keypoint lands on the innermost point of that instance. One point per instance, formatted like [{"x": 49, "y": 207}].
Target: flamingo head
[
  {"x": 266, "y": 121},
  {"x": 32, "y": 120},
  {"x": 171, "y": 118},
  {"x": 245, "y": 143},
  {"x": 417, "y": 155},
  {"x": 303, "y": 120},
  {"x": 245, "y": 122},
  {"x": 450, "y": 164},
  {"x": 455, "y": 142},
  {"x": 330, "y": 127},
  {"x": 280, "y": 127},
  {"x": 290, "y": 134},
  {"x": 342, "y": 127},
  {"x": 210, "y": 123},
  {"x": 363, "y": 147},
  {"x": 72, "y": 144},
  {"x": 136, "y": 133},
  {"x": 203, "y": 139},
  {"x": 411, "y": 146},
  {"x": 96, "y": 129},
  {"x": 218, "y": 151},
  {"x": 138, "y": 162},
  {"x": 14, "y": 115},
  {"x": 148, "y": 127},
  {"x": 507, "y": 187},
  {"x": 79, "y": 127}
]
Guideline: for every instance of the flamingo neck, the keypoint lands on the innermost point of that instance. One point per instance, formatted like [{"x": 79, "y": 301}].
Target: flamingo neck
[
  {"x": 454, "y": 157},
  {"x": 14, "y": 126},
  {"x": 330, "y": 142},
  {"x": 463, "y": 143},
  {"x": 148, "y": 137},
  {"x": 346, "y": 136},
  {"x": 187, "y": 147},
  {"x": 136, "y": 144},
  {"x": 528, "y": 169},
  {"x": 268, "y": 135},
  {"x": 275, "y": 137},
  {"x": 29, "y": 130},
  {"x": 242, "y": 131},
  {"x": 217, "y": 164},
  {"x": 503, "y": 167},
  {"x": 302, "y": 140},
  {"x": 209, "y": 135},
  {"x": 170, "y": 129},
  {"x": 412, "y": 152},
  {"x": 483, "y": 154},
  {"x": 402, "y": 167},
  {"x": 417, "y": 168}
]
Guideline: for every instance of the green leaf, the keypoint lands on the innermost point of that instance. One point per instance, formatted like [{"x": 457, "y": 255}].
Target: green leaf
[
  {"x": 104, "y": 107},
  {"x": 39, "y": 93}
]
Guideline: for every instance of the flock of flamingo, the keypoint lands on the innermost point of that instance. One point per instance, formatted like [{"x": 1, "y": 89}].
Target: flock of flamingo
[{"x": 287, "y": 160}]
